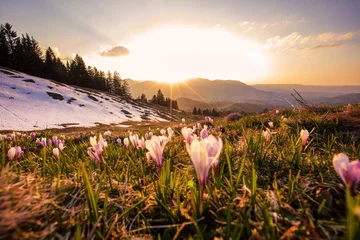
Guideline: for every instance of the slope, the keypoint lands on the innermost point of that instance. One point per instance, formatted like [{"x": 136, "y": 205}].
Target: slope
[{"x": 28, "y": 102}]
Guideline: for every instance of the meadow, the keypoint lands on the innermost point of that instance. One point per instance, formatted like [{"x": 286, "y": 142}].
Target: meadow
[{"x": 268, "y": 182}]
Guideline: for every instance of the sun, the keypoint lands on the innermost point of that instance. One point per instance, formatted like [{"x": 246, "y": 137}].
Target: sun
[{"x": 176, "y": 53}]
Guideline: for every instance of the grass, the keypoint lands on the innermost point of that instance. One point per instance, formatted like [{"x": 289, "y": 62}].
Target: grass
[
  {"x": 261, "y": 190},
  {"x": 55, "y": 96}
]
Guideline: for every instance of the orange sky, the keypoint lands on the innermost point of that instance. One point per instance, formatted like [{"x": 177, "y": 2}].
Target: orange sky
[{"x": 284, "y": 41}]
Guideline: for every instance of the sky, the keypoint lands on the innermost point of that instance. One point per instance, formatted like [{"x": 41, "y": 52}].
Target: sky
[{"x": 312, "y": 42}]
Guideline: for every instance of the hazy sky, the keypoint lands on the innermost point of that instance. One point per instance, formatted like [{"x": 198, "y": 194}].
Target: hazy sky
[{"x": 284, "y": 41}]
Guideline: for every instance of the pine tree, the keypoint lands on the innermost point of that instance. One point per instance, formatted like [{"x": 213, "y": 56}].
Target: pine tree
[
  {"x": 4, "y": 47},
  {"x": 160, "y": 98},
  {"x": 117, "y": 84},
  {"x": 194, "y": 111},
  {"x": 143, "y": 98},
  {"x": 125, "y": 88}
]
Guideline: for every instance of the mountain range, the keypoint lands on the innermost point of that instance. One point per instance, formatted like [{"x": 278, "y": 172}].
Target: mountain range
[{"x": 205, "y": 93}]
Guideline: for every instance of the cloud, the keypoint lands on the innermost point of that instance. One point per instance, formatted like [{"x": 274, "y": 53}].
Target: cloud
[
  {"x": 346, "y": 36},
  {"x": 326, "y": 37},
  {"x": 289, "y": 40},
  {"x": 117, "y": 51},
  {"x": 301, "y": 20},
  {"x": 297, "y": 41},
  {"x": 329, "y": 45},
  {"x": 321, "y": 46}
]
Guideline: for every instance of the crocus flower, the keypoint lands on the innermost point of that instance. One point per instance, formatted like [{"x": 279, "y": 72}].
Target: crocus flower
[
  {"x": 186, "y": 132},
  {"x": 163, "y": 132},
  {"x": 11, "y": 153},
  {"x": 141, "y": 143},
  {"x": 126, "y": 143},
  {"x": 49, "y": 142},
  {"x": 208, "y": 120},
  {"x": 170, "y": 133},
  {"x": 348, "y": 171},
  {"x": 198, "y": 125},
  {"x": 204, "y": 133},
  {"x": 134, "y": 140},
  {"x": 201, "y": 161},
  {"x": 183, "y": 120},
  {"x": 95, "y": 152},
  {"x": 33, "y": 135},
  {"x": 61, "y": 147},
  {"x": 304, "y": 134},
  {"x": 41, "y": 142},
  {"x": 96, "y": 149},
  {"x": 18, "y": 152},
  {"x": 277, "y": 112},
  {"x": 102, "y": 142},
  {"x": 118, "y": 141},
  {"x": 271, "y": 125},
  {"x": 156, "y": 148},
  {"x": 213, "y": 147},
  {"x": 107, "y": 133},
  {"x": 266, "y": 135},
  {"x": 150, "y": 134},
  {"x": 56, "y": 152}
]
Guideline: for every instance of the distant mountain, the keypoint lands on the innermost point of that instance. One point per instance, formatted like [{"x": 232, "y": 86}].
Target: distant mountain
[
  {"x": 28, "y": 102},
  {"x": 204, "y": 90},
  {"x": 222, "y": 93},
  {"x": 312, "y": 91},
  {"x": 187, "y": 104},
  {"x": 342, "y": 99}
]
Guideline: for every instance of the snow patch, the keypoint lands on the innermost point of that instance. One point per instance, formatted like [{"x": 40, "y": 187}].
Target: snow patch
[{"x": 32, "y": 103}]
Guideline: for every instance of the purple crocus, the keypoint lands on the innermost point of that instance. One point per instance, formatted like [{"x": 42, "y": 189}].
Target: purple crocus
[
  {"x": 348, "y": 171},
  {"x": 41, "y": 142},
  {"x": 33, "y": 135}
]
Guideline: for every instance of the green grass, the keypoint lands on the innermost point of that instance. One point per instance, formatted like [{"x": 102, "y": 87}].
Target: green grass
[{"x": 261, "y": 190}]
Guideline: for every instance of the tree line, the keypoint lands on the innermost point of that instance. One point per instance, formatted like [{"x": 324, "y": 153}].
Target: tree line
[
  {"x": 206, "y": 112},
  {"x": 23, "y": 53},
  {"x": 159, "y": 99}
]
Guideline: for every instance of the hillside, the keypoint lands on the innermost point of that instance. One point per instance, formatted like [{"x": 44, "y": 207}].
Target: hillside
[{"x": 28, "y": 102}]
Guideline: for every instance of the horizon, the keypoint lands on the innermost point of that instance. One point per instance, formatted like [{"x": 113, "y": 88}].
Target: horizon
[
  {"x": 255, "y": 43},
  {"x": 249, "y": 84}
]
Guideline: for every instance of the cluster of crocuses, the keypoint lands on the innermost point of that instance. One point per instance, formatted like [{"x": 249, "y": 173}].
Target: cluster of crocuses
[
  {"x": 135, "y": 141},
  {"x": 54, "y": 141},
  {"x": 97, "y": 148},
  {"x": 204, "y": 152},
  {"x": 11, "y": 136},
  {"x": 304, "y": 135}
]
